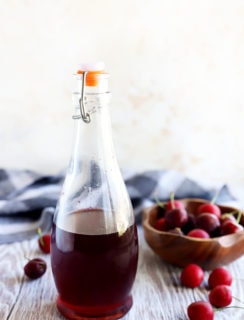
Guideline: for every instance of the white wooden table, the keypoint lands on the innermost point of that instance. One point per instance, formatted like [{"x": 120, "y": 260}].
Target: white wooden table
[{"x": 157, "y": 292}]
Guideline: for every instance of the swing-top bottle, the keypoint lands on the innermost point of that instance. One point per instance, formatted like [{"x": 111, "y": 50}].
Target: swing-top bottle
[{"x": 94, "y": 245}]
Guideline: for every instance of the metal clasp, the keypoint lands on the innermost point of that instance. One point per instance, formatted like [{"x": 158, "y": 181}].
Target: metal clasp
[{"x": 82, "y": 102}]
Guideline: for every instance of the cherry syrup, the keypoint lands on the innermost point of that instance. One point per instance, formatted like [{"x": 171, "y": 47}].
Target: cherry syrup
[{"x": 94, "y": 274}]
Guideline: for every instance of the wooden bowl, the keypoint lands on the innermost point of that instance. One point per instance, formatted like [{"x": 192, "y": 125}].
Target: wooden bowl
[{"x": 181, "y": 250}]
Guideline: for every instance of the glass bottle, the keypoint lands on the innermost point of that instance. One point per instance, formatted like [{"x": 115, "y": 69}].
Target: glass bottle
[{"x": 94, "y": 244}]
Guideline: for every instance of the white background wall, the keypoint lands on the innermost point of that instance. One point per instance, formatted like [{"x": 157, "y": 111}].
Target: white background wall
[{"x": 177, "y": 70}]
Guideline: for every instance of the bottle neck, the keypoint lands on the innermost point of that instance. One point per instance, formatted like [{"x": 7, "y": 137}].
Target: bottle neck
[{"x": 93, "y": 139}]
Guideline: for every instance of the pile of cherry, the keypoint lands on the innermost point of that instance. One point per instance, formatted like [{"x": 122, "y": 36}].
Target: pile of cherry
[
  {"x": 220, "y": 294},
  {"x": 206, "y": 222}
]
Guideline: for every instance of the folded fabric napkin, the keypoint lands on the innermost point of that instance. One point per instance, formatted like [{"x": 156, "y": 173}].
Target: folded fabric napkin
[{"x": 28, "y": 199}]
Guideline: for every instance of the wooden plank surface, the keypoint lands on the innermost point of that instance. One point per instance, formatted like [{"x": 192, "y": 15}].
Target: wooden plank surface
[{"x": 157, "y": 292}]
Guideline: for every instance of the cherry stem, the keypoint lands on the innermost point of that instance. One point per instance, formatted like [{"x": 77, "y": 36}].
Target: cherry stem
[
  {"x": 28, "y": 259},
  {"x": 237, "y": 299},
  {"x": 159, "y": 203},
  {"x": 233, "y": 213},
  {"x": 39, "y": 231},
  {"x": 172, "y": 200},
  {"x": 215, "y": 197},
  {"x": 234, "y": 307},
  {"x": 238, "y": 219},
  {"x": 229, "y": 307}
]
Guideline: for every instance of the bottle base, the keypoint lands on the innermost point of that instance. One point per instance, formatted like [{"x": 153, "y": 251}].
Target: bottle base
[{"x": 111, "y": 312}]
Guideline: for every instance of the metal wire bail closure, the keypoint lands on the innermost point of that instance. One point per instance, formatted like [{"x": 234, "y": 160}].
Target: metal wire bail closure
[{"x": 82, "y": 101}]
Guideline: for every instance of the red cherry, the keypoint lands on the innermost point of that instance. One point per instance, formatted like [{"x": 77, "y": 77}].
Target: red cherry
[
  {"x": 219, "y": 276},
  {"x": 200, "y": 310},
  {"x": 192, "y": 276},
  {"x": 208, "y": 222},
  {"x": 174, "y": 204},
  {"x": 209, "y": 208},
  {"x": 198, "y": 233},
  {"x": 229, "y": 227},
  {"x": 176, "y": 218},
  {"x": 44, "y": 241},
  {"x": 161, "y": 224},
  {"x": 35, "y": 268},
  {"x": 220, "y": 296}
]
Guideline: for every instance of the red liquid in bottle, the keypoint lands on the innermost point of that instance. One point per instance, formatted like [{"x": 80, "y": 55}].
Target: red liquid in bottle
[{"x": 94, "y": 273}]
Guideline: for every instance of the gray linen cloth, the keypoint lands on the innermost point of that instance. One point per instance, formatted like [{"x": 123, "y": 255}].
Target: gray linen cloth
[{"x": 28, "y": 199}]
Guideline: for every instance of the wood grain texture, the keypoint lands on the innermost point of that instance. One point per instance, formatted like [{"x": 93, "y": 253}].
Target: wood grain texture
[{"x": 157, "y": 292}]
